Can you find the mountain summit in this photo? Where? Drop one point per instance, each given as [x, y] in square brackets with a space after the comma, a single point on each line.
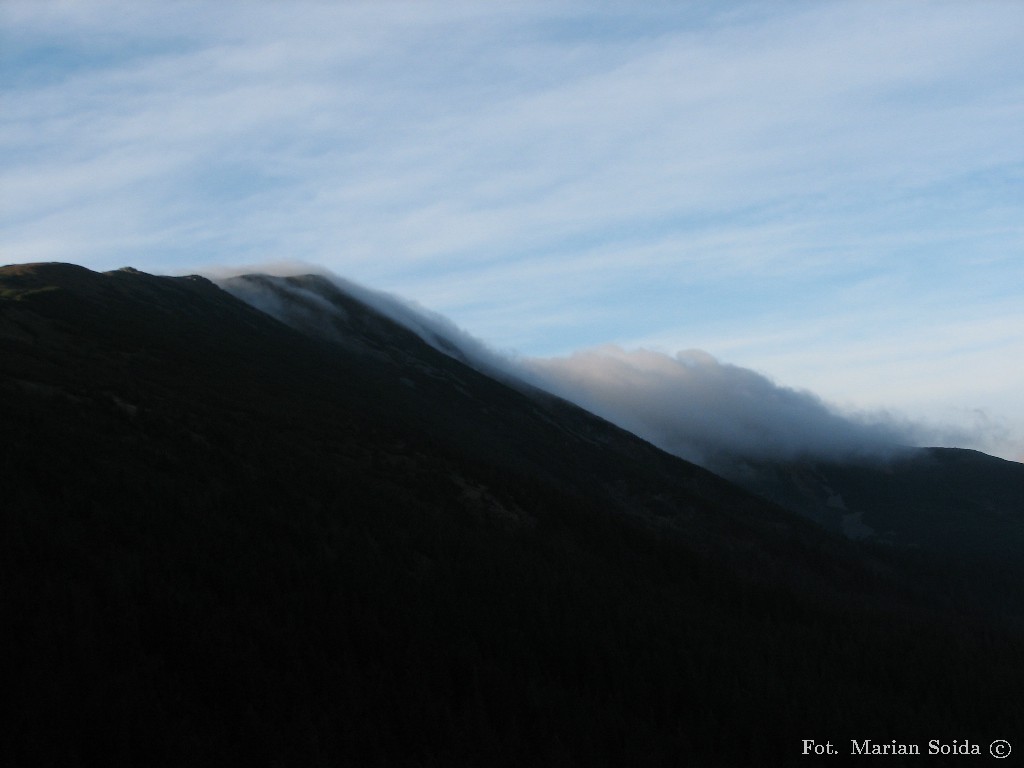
[305, 533]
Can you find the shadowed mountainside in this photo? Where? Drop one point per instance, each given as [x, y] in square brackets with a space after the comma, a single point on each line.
[229, 541]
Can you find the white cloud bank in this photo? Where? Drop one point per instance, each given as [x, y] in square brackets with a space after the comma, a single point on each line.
[694, 406]
[689, 404]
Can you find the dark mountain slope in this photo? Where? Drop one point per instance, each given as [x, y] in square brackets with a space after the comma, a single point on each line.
[228, 542]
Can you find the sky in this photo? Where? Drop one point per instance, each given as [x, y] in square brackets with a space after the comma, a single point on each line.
[829, 194]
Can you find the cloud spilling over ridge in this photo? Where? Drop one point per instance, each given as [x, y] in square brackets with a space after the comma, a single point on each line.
[709, 412]
[269, 290]
[689, 404]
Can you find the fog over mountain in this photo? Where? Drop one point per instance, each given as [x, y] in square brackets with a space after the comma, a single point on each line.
[308, 309]
[690, 404]
[710, 412]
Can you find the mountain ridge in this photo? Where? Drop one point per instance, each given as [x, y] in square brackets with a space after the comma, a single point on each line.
[225, 541]
[828, 492]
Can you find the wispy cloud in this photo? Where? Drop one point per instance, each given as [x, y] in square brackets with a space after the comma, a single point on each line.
[425, 137]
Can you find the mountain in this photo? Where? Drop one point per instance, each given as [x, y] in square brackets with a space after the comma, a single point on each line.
[237, 536]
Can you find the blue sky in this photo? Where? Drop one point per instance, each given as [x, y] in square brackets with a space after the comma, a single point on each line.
[831, 194]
